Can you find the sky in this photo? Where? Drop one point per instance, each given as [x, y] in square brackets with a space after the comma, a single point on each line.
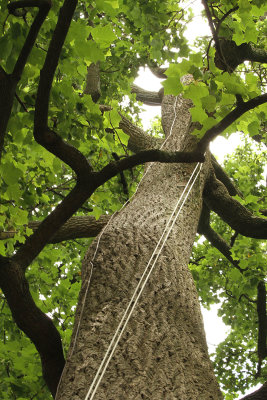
[216, 330]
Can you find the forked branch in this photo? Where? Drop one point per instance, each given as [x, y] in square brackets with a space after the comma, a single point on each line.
[233, 115]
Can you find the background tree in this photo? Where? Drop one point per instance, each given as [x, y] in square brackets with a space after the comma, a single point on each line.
[59, 151]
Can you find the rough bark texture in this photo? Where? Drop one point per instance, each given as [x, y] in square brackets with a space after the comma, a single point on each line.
[163, 352]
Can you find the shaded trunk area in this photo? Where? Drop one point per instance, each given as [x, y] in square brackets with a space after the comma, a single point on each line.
[163, 352]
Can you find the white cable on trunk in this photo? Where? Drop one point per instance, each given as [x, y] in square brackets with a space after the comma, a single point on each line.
[141, 284]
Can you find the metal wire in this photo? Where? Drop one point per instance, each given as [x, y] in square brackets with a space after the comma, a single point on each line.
[141, 284]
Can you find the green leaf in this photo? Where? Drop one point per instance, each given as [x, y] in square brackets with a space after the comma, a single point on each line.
[244, 5]
[97, 212]
[235, 275]
[14, 192]
[10, 173]
[5, 48]
[103, 35]
[251, 199]
[196, 92]
[198, 114]
[174, 70]
[123, 137]
[251, 34]
[91, 51]
[172, 85]
[209, 103]
[253, 128]
[232, 83]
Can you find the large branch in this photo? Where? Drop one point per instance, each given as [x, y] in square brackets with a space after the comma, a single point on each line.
[213, 237]
[48, 228]
[32, 321]
[139, 139]
[211, 23]
[44, 136]
[8, 82]
[159, 72]
[78, 227]
[224, 178]
[52, 142]
[44, 7]
[231, 211]
[148, 97]
[113, 168]
[262, 321]
[260, 394]
[240, 109]
[230, 55]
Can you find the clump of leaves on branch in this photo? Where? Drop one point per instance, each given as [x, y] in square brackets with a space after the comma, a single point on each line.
[72, 150]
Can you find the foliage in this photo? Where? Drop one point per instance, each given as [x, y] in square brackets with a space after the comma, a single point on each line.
[122, 35]
[218, 281]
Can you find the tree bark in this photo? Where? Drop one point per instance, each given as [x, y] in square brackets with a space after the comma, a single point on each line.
[162, 353]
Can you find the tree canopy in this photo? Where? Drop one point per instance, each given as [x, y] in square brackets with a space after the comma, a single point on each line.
[69, 116]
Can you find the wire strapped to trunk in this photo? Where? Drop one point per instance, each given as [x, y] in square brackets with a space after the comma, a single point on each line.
[144, 278]
[142, 283]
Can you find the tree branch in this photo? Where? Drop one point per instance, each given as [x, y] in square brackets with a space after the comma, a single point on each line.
[139, 139]
[224, 178]
[113, 168]
[262, 321]
[32, 321]
[159, 72]
[8, 82]
[230, 55]
[35, 243]
[224, 17]
[240, 109]
[44, 7]
[148, 97]
[42, 134]
[122, 180]
[231, 211]
[260, 394]
[213, 237]
[53, 143]
[76, 227]
[211, 25]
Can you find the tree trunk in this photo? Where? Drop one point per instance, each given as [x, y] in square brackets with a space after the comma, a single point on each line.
[162, 353]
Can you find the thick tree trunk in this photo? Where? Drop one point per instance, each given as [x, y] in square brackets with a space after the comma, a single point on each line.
[163, 352]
